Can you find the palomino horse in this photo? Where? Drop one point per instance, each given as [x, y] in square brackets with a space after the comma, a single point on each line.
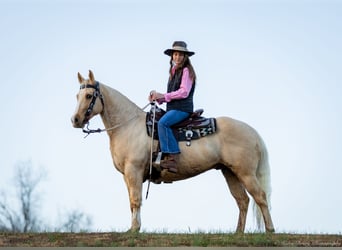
[235, 148]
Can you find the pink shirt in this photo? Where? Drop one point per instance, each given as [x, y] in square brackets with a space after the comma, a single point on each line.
[184, 88]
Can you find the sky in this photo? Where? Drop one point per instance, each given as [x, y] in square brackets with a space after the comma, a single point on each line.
[275, 65]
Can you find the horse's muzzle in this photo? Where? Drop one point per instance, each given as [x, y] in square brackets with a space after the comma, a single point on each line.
[77, 122]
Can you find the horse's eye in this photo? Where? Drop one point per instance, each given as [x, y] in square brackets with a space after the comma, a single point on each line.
[89, 96]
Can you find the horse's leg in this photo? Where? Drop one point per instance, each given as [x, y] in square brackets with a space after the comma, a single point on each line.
[134, 181]
[253, 187]
[239, 193]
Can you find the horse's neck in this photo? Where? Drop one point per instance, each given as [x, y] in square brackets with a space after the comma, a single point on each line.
[118, 109]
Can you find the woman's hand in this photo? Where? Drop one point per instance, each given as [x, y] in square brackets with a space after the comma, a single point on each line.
[155, 96]
[150, 96]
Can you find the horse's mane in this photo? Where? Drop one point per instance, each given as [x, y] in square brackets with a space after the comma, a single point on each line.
[118, 102]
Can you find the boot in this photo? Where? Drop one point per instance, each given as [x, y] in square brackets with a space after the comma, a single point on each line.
[170, 163]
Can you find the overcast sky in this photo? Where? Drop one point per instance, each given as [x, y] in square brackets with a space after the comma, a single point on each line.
[275, 65]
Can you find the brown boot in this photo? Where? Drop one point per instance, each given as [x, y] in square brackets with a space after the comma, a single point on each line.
[170, 163]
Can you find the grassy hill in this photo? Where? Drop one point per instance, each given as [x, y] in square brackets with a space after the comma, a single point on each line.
[166, 240]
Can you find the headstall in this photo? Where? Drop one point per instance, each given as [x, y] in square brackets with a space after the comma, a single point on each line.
[96, 94]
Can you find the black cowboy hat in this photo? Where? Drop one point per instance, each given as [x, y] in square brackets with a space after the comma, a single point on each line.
[178, 46]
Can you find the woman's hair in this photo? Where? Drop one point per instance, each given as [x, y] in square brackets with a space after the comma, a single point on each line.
[185, 64]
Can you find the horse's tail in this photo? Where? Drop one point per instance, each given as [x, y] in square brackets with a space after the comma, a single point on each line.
[264, 177]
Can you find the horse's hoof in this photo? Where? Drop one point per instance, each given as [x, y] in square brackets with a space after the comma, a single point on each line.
[133, 230]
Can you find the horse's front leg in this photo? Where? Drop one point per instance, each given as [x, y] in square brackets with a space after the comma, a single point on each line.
[134, 180]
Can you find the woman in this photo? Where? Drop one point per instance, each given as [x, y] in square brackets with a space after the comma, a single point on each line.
[179, 101]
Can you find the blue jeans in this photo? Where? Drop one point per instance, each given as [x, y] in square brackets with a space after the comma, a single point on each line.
[168, 142]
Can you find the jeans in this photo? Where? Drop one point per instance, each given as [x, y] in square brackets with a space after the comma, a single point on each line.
[168, 142]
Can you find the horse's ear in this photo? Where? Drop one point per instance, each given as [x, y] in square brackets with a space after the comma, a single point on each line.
[91, 77]
[80, 78]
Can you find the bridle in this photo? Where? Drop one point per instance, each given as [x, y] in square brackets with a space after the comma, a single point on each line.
[90, 108]
[96, 94]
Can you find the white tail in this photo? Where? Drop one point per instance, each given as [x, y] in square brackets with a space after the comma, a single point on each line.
[264, 178]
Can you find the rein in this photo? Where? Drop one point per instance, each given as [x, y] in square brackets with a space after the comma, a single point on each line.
[153, 107]
[99, 130]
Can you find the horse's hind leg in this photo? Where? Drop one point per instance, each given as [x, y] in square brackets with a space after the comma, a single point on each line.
[240, 195]
[254, 189]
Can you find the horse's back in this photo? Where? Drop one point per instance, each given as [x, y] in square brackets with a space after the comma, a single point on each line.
[232, 129]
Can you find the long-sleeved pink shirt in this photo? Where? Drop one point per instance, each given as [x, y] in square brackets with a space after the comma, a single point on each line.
[184, 88]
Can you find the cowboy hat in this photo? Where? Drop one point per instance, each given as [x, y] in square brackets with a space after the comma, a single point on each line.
[178, 46]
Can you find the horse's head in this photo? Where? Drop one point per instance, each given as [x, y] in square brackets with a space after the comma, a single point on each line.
[87, 104]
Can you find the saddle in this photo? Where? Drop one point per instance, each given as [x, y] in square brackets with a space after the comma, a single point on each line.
[192, 128]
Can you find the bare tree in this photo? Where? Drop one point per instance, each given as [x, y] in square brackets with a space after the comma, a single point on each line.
[75, 221]
[9, 219]
[21, 213]
[24, 218]
[27, 184]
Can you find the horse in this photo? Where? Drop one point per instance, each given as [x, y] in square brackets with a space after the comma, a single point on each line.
[236, 149]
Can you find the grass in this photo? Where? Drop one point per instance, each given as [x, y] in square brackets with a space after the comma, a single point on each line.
[114, 239]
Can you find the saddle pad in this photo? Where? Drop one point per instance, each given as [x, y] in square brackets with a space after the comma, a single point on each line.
[189, 129]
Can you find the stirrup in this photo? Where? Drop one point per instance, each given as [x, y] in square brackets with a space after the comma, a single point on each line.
[158, 159]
